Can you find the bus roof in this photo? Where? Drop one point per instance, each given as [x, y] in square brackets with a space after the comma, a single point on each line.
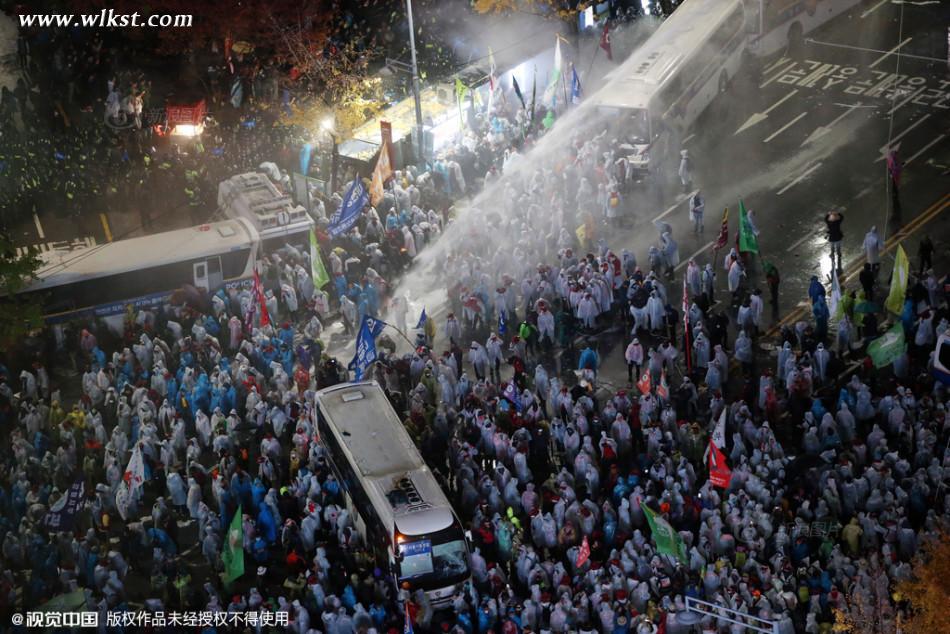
[397, 479]
[635, 82]
[133, 254]
[373, 434]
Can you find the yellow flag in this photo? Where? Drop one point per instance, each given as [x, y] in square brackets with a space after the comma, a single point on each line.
[382, 173]
[895, 298]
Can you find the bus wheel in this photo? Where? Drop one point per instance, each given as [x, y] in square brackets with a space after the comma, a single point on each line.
[723, 82]
[796, 40]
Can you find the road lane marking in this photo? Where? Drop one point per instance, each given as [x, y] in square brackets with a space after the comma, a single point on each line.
[855, 267]
[904, 103]
[759, 117]
[701, 249]
[105, 227]
[784, 127]
[873, 9]
[798, 180]
[873, 50]
[926, 147]
[777, 75]
[822, 130]
[678, 202]
[775, 65]
[890, 144]
[797, 243]
[687, 139]
[889, 53]
[39, 227]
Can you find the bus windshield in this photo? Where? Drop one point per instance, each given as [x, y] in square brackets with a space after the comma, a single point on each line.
[435, 560]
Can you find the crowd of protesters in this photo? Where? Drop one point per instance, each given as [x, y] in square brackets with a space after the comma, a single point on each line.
[836, 479]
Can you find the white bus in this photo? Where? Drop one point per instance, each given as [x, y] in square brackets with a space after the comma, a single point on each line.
[103, 280]
[397, 505]
[254, 197]
[663, 87]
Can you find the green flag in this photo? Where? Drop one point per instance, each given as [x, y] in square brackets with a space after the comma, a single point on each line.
[888, 346]
[461, 90]
[667, 540]
[748, 243]
[318, 272]
[233, 554]
[895, 298]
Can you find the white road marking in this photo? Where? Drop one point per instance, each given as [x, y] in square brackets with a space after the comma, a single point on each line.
[784, 127]
[701, 249]
[873, 9]
[759, 117]
[887, 146]
[678, 202]
[797, 244]
[777, 75]
[39, 227]
[904, 103]
[864, 192]
[799, 179]
[822, 130]
[889, 53]
[775, 65]
[874, 50]
[926, 147]
[687, 139]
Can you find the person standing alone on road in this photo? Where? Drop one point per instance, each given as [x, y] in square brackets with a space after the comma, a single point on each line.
[686, 170]
[696, 208]
[872, 249]
[833, 220]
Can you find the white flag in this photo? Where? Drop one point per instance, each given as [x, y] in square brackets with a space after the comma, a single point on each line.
[834, 304]
[134, 475]
[550, 93]
[719, 434]
[132, 481]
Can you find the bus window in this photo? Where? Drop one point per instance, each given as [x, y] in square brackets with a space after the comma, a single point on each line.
[434, 561]
[215, 276]
[201, 275]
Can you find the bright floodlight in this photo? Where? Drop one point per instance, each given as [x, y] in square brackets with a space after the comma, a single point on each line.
[327, 124]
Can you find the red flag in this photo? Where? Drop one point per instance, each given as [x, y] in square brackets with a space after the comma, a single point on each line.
[259, 294]
[645, 384]
[719, 473]
[583, 553]
[605, 41]
[724, 231]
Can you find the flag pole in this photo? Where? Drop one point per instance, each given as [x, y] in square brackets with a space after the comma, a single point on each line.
[592, 58]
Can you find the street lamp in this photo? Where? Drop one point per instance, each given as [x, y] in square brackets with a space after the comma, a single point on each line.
[327, 125]
[415, 83]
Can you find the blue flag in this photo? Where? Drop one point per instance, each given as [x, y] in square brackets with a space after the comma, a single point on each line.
[61, 514]
[575, 86]
[502, 324]
[305, 153]
[349, 212]
[422, 319]
[366, 345]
